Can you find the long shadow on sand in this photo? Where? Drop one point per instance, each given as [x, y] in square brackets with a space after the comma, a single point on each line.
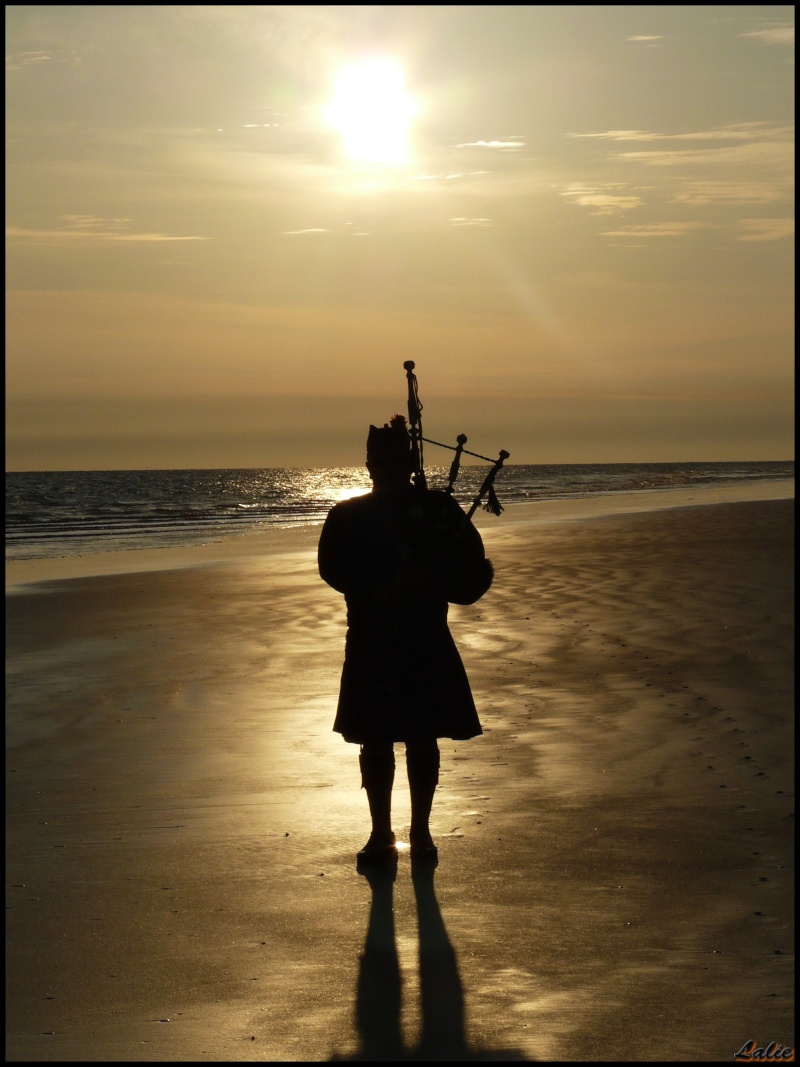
[378, 990]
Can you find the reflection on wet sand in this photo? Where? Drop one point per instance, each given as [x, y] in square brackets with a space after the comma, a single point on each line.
[378, 989]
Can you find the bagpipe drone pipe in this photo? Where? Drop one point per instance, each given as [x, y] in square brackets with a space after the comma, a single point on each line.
[418, 469]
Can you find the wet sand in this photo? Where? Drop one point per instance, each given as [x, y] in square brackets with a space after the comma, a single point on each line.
[616, 867]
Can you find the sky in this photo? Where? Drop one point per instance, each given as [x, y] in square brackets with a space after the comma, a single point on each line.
[228, 227]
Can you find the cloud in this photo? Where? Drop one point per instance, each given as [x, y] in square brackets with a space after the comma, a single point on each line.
[779, 35]
[756, 153]
[657, 229]
[700, 193]
[459, 177]
[350, 229]
[92, 228]
[94, 222]
[740, 131]
[602, 199]
[26, 59]
[21, 60]
[471, 222]
[765, 229]
[760, 144]
[646, 38]
[503, 145]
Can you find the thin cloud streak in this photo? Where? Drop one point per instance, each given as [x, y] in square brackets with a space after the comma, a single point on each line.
[753, 153]
[17, 233]
[604, 200]
[780, 35]
[703, 193]
[502, 145]
[765, 229]
[742, 131]
[658, 229]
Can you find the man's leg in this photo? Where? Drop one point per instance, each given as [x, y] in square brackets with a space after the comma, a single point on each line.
[422, 760]
[377, 778]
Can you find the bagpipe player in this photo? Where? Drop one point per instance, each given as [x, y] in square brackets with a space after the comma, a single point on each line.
[400, 555]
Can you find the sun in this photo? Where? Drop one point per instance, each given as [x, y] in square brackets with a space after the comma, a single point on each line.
[372, 112]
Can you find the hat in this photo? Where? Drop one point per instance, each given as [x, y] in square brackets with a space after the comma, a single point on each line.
[389, 442]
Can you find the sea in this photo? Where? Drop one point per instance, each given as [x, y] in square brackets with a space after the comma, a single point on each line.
[52, 514]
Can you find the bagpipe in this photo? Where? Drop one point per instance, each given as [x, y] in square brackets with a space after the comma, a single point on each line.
[418, 468]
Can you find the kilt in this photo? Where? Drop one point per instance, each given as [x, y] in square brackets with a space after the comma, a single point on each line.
[403, 679]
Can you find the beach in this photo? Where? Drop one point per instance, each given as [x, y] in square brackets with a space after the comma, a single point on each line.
[615, 879]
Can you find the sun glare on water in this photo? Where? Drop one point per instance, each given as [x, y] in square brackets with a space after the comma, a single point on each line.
[349, 492]
[372, 112]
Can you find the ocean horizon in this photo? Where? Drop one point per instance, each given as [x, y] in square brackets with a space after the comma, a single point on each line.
[51, 514]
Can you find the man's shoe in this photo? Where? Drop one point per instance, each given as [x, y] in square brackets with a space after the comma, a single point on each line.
[423, 847]
[427, 853]
[377, 851]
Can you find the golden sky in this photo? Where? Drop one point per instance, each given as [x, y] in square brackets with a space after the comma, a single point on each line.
[228, 227]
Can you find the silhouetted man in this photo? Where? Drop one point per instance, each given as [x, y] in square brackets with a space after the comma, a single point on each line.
[400, 554]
